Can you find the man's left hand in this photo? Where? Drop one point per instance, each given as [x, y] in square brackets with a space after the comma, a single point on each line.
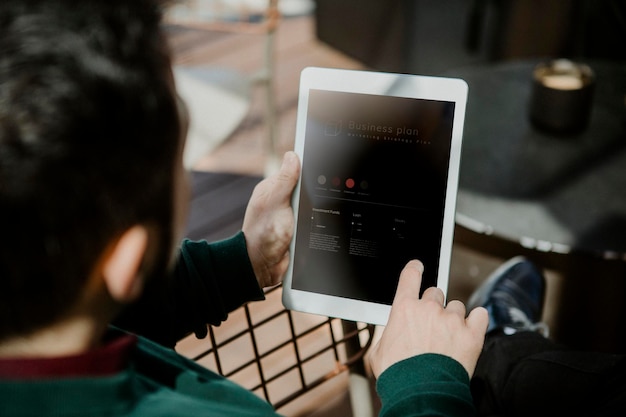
[269, 222]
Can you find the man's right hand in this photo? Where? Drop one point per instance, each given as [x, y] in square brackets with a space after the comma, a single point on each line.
[423, 325]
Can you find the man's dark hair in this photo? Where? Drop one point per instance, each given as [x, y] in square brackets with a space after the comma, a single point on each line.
[89, 134]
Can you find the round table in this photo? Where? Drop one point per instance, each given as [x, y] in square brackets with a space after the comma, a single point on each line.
[547, 192]
[560, 200]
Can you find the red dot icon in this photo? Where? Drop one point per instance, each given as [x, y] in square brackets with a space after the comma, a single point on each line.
[350, 183]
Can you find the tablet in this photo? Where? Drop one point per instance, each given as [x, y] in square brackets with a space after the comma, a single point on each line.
[380, 156]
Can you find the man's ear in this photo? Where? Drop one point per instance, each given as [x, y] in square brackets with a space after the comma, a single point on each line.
[121, 269]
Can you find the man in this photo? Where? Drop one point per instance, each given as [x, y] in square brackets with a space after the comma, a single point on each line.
[92, 204]
[92, 201]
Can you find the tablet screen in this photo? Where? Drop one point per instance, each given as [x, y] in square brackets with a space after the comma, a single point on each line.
[372, 193]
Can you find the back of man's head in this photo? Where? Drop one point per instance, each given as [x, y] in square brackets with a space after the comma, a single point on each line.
[88, 137]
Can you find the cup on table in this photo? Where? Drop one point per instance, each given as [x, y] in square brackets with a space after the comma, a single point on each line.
[561, 96]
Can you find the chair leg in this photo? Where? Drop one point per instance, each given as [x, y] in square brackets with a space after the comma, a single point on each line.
[359, 383]
[273, 163]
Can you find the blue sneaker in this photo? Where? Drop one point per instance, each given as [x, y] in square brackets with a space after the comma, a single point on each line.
[513, 295]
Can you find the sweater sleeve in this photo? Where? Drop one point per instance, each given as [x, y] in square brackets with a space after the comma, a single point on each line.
[208, 282]
[425, 385]
[214, 280]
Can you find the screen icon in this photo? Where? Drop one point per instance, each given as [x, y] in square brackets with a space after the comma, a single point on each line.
[333, 128]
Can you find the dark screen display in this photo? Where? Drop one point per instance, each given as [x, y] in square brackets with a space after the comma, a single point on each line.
[372, 193]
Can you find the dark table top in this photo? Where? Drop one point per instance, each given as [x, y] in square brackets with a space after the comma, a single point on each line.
[551, 193]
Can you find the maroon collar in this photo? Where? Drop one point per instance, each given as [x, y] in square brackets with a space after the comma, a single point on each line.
[108, 359]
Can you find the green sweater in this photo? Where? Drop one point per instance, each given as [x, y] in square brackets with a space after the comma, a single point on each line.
[159, 382]
[156, 382]
[425, 385]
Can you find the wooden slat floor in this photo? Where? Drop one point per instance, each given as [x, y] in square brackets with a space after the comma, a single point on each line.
[245, 151]
[224, 177]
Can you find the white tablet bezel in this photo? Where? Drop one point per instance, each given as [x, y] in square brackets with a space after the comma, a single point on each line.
[377, 83]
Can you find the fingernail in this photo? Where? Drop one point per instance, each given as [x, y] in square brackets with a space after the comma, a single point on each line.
[286, 158]
[415, 263]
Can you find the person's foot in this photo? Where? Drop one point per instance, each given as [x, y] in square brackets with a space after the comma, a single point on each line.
[513, 295]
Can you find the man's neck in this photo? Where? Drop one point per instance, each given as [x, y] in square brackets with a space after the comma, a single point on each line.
[71, 336]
